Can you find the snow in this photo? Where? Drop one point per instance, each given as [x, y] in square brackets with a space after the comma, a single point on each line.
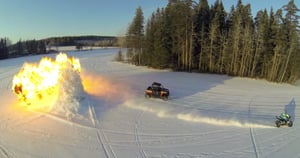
[207, 115]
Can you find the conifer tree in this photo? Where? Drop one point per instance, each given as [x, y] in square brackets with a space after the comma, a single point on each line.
[291, 23]
[216, 30]
[201, 26]
[260, 42]
[186, 37]
[3, 48]
[135, 35]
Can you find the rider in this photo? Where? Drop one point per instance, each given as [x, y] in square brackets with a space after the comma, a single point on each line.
[284, 116]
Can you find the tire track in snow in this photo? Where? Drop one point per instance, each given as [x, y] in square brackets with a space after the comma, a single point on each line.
[100, 134]
[167, 139]
[4, 152]
[181, 140]
[100, 139]
[137, 135]
[62, 120]
[26, 121]
[252, 134]
[270, 139]
[6, 75]
[287, 145]
[158, 135]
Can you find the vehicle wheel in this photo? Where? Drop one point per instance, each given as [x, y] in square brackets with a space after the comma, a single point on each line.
[277, 123]
[290, 123]
[165, 98]
[147, 96]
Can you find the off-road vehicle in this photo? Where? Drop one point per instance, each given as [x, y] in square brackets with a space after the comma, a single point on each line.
[283, 119]
[156, 90]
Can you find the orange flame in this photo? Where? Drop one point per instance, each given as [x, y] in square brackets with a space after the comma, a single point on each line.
[97, 86]
[105, 88]
[38, 81]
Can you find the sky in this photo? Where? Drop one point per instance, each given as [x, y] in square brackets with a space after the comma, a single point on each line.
[39, 19]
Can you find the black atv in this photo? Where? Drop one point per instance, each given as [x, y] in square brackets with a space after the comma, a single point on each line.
[280, 121]
[156, 90]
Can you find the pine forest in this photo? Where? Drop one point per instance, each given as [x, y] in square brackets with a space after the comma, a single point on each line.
[198, 37]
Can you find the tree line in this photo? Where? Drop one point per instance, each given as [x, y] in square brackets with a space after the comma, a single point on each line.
[21, 48]
[196, 37]
[82, 40]
[43, 46]
[4, 42]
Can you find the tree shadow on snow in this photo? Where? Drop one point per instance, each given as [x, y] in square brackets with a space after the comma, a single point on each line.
[290, 109]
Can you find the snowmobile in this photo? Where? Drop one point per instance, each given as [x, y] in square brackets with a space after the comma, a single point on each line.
[284, 119]
[156, 90]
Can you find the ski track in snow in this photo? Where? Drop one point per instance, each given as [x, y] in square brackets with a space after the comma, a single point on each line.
[4, 152]
[252, 134]
[137, 135]
[61, 120]
[6, 77]
[109, 152]
[287, 145]
[181, 139]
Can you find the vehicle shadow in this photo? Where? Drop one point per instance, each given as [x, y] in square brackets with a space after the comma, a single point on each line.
[290, 109]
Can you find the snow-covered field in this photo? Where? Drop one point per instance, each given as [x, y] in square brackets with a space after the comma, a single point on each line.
[207, 115]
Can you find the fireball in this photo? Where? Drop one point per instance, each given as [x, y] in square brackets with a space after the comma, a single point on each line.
[40, 81]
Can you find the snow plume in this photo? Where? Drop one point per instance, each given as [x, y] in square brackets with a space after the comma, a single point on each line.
[70, 95]
[172, 112]
[218, 122]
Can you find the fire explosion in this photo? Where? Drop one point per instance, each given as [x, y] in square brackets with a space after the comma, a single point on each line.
[40, 81]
